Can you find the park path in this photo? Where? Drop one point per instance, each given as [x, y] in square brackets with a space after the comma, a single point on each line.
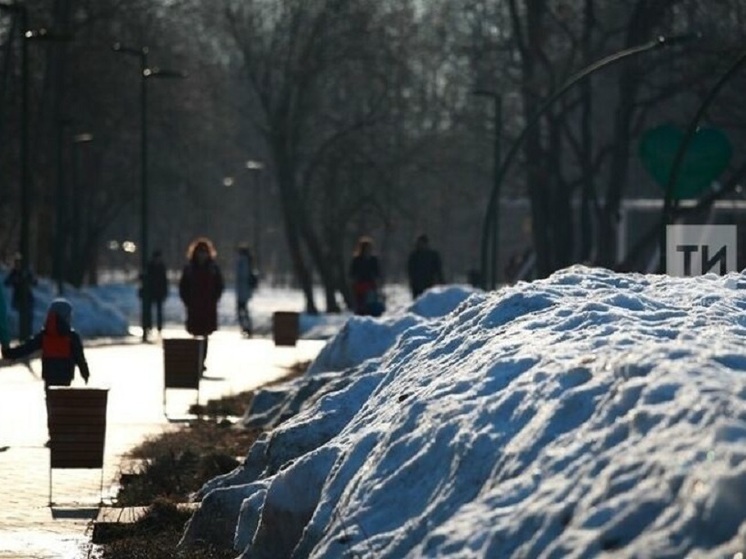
[133, 373]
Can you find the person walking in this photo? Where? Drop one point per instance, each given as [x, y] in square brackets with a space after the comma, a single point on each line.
[158, 286]
[424, 267]
[21, 280]
[61, 349]
[4, 331]
[246, 281]
[365, 275]
[200, 288]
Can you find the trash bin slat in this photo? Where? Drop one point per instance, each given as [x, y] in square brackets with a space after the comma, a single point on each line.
[182, 362]
[285, 328]
[77, 427]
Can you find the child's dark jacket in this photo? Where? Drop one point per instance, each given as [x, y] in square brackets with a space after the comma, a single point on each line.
[61, 350]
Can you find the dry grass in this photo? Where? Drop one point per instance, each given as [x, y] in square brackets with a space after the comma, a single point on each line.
[154, 536]
[178, 463]
[174, 465]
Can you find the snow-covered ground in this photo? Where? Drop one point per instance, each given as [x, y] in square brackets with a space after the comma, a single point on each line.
[93, 316]
[591, 414]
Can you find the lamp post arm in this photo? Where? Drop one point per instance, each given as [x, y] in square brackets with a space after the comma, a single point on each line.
[156, 72]
[513, 150]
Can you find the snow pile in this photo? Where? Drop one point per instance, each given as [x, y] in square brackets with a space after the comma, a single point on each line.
[361, 338]
[588, 414]
[93, 316]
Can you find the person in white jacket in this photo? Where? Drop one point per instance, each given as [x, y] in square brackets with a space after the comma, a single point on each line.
[245, 284]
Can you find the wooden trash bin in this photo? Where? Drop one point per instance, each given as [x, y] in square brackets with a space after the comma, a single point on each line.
[285, 328]
[77, 429]
[182, 364]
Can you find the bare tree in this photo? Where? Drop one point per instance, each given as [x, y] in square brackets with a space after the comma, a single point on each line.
[320, 77]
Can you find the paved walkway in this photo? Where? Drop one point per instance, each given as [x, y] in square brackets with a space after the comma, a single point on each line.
[29, 527]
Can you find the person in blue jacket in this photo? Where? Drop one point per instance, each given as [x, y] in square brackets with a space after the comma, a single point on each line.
[60, 346]
[246, 283]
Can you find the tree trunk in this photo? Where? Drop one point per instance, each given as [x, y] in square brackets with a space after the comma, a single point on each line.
[645, 16]
[536, 174]
[608, 217]
[588, 194]
[561, 215]
[323, 266]
[292, 217]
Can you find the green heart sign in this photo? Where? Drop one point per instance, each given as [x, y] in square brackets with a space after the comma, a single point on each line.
[706, 157]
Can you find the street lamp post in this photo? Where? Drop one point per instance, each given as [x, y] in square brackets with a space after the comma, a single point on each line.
[489, 220]
[145, 73]
[20, 10]
[25, 310]
[77, 139]
[59, 210]
[255, 167]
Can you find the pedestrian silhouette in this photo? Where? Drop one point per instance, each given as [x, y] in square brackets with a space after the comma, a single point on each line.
[158, 286]
[424, 267]
[200, 288]
[246, 282]
[365, 275]
[21, 280]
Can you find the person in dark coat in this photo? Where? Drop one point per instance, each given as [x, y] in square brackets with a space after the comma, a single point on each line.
[424, 267]
[60, 345]
[365, 275]
[158, 286]
[200, 288]
[21, 280]
[246, 282]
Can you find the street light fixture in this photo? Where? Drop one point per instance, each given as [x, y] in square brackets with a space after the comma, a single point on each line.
[490, 222]
[83, 138]
[77, 140]
[25, 311]
[146, 73]
[61, 225]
